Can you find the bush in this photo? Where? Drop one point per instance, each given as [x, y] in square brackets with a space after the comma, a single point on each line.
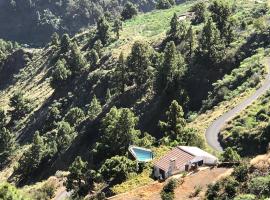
[117, 168]
[230, 155]
[245, 197]
[241, 172]
[259, 186]
[8, 192]
[167, 192]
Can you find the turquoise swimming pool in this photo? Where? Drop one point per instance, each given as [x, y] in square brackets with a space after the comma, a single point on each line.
[141, 154]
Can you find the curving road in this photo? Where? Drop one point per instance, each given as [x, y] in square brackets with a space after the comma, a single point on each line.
[214, 129]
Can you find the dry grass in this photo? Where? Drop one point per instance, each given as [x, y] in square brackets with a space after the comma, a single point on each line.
[261, 162]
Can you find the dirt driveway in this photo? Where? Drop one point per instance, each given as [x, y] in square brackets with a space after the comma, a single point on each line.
[201, 178]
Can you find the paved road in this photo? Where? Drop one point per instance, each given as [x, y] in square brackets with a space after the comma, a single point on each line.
[214, 129]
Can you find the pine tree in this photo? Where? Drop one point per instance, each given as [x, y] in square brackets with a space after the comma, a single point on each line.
[80, 180]
[3, 118]
[174, 25]
[75, 116]
[175, 122]
[98, 47]
[94, 109]
[77, 61]
[118, 132]
[21, 106]
[108, 95]
[65, 135]
[121, 73]
[178, 30]
[172, 68]
[221, 12]
[60, 74]
[211, 46]
[103, 30]
[129, 11]
[93, 58]
[139, 62]
[117, 27]
[200, 12]
[191, 42]
[65, 43]
[7, 144]
[55, 39]
[32, 158]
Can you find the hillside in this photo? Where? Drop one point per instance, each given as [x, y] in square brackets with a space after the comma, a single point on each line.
[38, 20]
[156, 80]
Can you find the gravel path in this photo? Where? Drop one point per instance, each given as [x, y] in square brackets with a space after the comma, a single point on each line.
[214, 129]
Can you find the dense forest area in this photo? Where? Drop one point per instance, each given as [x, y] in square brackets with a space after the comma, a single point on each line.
[78, 103]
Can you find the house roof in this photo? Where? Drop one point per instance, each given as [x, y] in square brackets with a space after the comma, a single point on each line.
[180, 156]
[197, 151]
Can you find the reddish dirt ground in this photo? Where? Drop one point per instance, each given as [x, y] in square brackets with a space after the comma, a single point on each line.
[183, 191]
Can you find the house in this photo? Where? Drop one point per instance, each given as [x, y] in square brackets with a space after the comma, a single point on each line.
[180, 159]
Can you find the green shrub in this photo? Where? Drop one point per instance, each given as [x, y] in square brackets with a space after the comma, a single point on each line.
[260, 186]
[167, 192]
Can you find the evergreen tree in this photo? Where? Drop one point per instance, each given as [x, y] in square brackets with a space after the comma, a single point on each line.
[117, 169]
[103, 30]
[7, 144]
[129, 11]
[108, 96]
[3, 118]
[118, 132]
[211, 46]
[174, 24]
[98, 47]
[75, 116]
[77, 61]
[191, 42]
[65, 43]
[93, 57]
[163, 4]
[94, 109]
[21, 106]
[172, 69]
[65, 135]
[178, 30]
[32, 158]
[221, 12]
[175, 122]
[60, 74]
[200, 12]
[117, 27]
[139, 62]
[80, 179]
[121, 73]
[55, 39]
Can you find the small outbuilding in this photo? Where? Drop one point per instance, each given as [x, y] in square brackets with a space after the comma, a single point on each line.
[180, 159]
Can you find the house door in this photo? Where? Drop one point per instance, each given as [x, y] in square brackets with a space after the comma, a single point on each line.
[186, 168]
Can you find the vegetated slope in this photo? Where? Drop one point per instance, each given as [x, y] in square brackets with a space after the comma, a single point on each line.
[75, 98]
[33, 22]
[248, 132]
[214, 129]
[248, 181]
